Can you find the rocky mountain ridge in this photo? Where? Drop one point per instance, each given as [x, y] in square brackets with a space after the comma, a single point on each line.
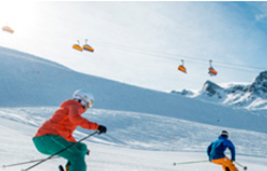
[250, 96]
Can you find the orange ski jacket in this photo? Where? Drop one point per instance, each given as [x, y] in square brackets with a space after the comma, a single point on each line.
[65, 120]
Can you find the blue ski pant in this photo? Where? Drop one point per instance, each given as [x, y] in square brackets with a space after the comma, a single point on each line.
[51, 144]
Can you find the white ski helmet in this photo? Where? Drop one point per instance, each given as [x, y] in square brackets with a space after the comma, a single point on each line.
[224, 134]
[86, 98]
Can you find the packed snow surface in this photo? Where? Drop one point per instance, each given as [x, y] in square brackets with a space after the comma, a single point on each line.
[134, 142]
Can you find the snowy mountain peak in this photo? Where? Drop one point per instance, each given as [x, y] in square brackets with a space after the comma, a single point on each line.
[210, 88]
[250, 96]
[259, 86]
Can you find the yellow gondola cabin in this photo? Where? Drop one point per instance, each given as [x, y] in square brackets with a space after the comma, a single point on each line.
[212, 71]
[77, 46]
[181, 67]
[8, 29]
[88, 47]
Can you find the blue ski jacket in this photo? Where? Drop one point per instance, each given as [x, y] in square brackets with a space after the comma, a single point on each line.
[216, 149]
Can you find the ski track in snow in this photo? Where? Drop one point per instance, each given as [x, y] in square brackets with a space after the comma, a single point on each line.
[134, 142]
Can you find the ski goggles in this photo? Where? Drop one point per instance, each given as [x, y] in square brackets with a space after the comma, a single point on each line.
[89, 105]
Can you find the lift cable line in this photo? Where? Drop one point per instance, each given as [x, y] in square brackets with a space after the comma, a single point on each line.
[183, 57]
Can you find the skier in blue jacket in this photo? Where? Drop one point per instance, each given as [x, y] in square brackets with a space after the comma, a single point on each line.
[216, 150]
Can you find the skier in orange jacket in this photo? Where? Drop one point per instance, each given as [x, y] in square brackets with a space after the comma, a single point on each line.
[56, 133]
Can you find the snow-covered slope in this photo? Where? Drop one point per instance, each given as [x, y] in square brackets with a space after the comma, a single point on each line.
[144, 131]
[249, 96]
[147, 130]
[27, 80]
[134, 142]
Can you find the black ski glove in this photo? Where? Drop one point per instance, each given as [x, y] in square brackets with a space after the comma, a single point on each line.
[88, 152]
[101, 129]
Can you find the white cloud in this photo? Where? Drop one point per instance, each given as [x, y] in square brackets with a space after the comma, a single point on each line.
[261, 16]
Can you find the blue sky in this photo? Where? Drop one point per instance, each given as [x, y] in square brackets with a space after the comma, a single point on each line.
[142, 43]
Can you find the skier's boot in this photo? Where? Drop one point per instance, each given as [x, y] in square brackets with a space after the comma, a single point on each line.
[61, 168]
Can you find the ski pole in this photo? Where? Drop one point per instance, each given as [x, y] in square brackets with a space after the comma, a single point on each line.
[191, 162]
[59, 152]
[31, 161]
[244, 167]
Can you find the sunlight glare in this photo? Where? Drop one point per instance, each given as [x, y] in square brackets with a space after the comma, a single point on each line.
[17, 14]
